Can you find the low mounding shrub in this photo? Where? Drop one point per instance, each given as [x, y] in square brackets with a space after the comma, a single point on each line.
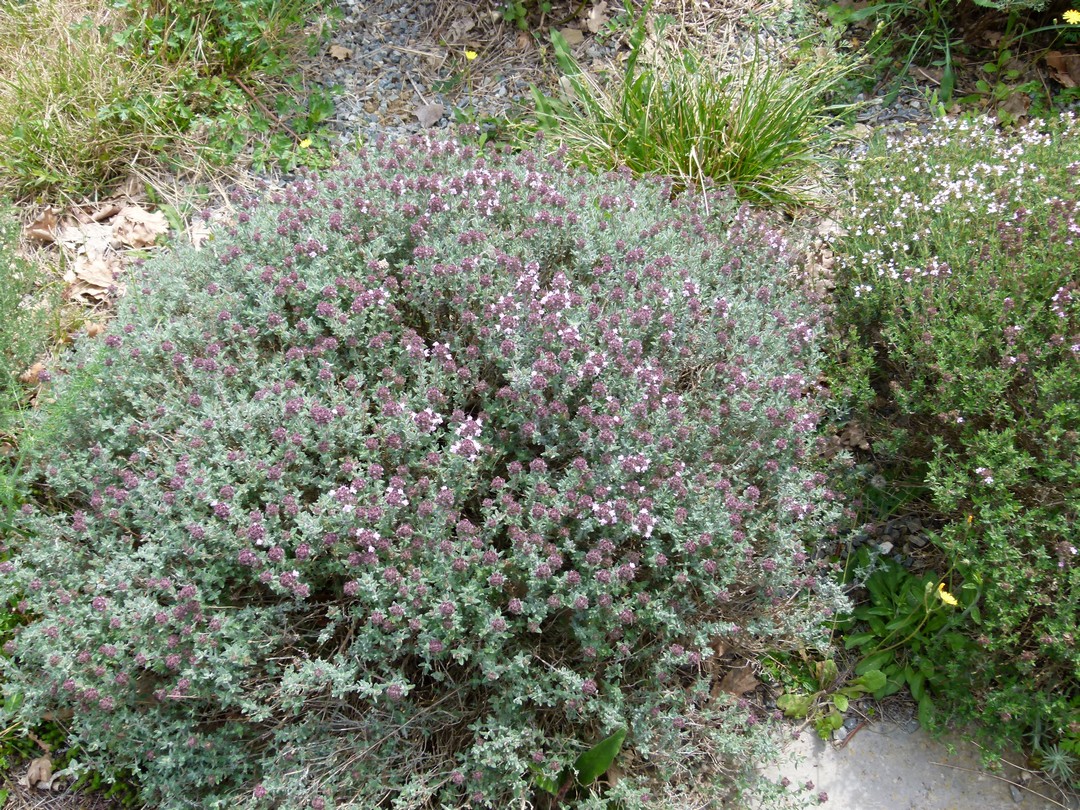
[959, 293]
[429, 475]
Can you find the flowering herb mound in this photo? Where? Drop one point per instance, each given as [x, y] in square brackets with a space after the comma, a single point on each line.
[960, 302]
[436, 471]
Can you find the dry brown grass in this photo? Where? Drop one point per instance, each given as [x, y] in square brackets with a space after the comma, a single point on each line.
[60, 83]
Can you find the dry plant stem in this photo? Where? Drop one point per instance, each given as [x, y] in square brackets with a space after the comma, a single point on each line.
[266, 110]
[1007, 762]
[1002, 779]
[99, 215]
[41, 743]
[1064, 793]
[854, 731]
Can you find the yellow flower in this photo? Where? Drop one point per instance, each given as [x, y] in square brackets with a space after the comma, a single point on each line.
[1072, 17]
[470, 55]
[945, 596]
[304, 144]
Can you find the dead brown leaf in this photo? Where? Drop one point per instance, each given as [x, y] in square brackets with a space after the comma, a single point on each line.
[39, 774]
[198, 234]
[739, 680]
[1064, 68]
[93, 329]
[137, 227]
[460, 27]
[573, 36]
[96, 272]
[429, 114]
[854, 436]
[1016, 105]
[75, 236]
[340, 52]
[43, 228]
[597, 17]
[32, 376]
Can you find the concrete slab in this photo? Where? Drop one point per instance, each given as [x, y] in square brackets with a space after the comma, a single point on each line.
[890, 766]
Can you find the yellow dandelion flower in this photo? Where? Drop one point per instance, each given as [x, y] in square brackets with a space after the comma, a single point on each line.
[470, 55]
[1072, 16]
[304, 144]
[945, 596]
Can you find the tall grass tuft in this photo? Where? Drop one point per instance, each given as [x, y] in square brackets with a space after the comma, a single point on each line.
[750, 122]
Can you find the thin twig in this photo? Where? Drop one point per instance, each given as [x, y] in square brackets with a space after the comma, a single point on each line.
[265, 110]
[1003, 779]
[854, 731]
[1013, 764]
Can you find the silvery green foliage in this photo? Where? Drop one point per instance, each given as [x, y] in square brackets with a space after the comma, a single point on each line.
[429, 471]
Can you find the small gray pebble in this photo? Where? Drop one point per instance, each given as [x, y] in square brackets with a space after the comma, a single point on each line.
[1017, 795]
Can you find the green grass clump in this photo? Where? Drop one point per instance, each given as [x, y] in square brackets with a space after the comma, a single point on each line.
[960, 307]
[24, 299]
[92, 90]
[62, 84]
[755, 125]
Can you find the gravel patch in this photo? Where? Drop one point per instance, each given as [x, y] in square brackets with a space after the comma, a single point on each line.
[402, 66]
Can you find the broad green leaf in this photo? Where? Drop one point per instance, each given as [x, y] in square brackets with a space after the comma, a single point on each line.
[871, 680]
[901, 622]
[892, 686]
[794, 705]
[926, 711]
[829, 723]
[840, 702]
[858, 639]
[875, 661]
[917, 684]
[545, 783]
[595, 762]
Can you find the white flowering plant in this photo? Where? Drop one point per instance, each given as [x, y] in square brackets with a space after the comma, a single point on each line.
[957, 347]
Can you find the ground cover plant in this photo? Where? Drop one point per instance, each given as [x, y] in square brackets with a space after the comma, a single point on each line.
[424, 480]
[1008, 57]
[959, 318]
